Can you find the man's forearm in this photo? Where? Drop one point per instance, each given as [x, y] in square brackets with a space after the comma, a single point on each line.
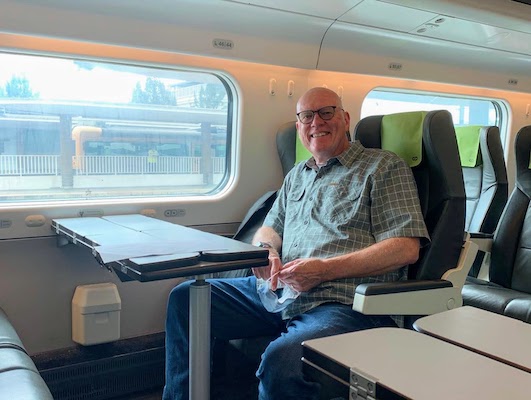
[266, 234]
[377, 259]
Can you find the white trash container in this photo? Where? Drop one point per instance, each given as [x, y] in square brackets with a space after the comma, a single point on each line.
[96, 314]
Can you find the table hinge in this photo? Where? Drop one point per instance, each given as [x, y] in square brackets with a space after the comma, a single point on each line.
[362, 386]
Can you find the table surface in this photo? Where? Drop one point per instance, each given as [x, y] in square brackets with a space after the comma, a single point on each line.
[505, 339]
[147, 249]
[421, 367]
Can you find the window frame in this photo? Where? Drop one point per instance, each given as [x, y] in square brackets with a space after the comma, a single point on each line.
[158, 61]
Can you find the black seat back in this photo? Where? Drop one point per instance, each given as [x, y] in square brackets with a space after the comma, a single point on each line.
[485, 176]
[510, 264]
[440, 185]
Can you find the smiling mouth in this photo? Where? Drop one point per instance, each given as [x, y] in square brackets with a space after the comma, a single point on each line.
[319, 134]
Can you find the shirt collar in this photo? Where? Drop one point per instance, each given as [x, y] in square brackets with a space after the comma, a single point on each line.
[346, 158]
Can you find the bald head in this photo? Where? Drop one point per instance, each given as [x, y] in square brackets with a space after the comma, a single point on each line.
[325, 124]
[316, 93]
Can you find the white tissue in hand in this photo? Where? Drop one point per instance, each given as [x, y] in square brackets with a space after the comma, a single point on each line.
[275, 301]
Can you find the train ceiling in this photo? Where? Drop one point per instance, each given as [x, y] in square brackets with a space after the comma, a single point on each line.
[490, 35]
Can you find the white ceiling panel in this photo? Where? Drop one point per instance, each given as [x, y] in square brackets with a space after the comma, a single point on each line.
[187, 26]
[476, 34]
[330, 9]
[357, 47]
[493, 35]
[385, 15]
[501, 13]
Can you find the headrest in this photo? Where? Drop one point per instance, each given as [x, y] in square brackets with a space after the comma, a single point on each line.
[468, 144]
[402, 134]
[522, 149]
[301, 152]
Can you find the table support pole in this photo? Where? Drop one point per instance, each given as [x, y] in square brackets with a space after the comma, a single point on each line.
[199, 340]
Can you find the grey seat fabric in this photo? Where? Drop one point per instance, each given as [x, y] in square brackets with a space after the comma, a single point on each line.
[486, 183]
[286, 145]
[508, 291]
[8, 335]
[19, 378]
[485, 178]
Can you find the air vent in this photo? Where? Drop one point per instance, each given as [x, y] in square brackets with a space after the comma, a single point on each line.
[104, 371]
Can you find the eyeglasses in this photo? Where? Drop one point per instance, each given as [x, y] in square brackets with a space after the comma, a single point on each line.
[326, 113]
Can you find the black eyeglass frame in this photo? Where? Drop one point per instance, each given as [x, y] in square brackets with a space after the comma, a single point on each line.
[317, 112]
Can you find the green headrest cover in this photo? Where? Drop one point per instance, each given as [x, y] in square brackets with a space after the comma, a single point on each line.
[301, 152]
[468, 144]
[402, 134]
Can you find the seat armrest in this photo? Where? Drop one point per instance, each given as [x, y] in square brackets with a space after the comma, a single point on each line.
[373, 289]
[483, 241]
[480, 235]
[417, 297]
[407, 297]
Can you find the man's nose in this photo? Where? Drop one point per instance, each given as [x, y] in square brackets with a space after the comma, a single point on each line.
[317, 119]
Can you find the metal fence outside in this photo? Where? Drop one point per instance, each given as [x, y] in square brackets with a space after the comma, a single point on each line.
[30, 165]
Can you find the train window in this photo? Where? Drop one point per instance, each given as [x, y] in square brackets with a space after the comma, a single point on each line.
[82, 130]
[465, 111]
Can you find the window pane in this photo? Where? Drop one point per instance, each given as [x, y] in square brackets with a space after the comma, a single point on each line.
[465, 111]
[79, 130]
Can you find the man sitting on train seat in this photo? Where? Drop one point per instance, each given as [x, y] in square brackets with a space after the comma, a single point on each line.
[346, 216]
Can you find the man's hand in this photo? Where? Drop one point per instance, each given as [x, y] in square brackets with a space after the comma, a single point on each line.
[304, 274]
[271, 271]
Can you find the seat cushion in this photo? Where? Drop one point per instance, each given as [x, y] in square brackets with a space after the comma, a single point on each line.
[491, 297]
[520, 309]
[8, 336]
[23, 384]
[11, 359]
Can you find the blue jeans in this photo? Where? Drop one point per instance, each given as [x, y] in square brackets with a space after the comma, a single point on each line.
[237, 312]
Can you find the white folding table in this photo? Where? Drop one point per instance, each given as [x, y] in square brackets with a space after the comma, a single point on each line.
[145, 249]
[394, 363]
[504, 339]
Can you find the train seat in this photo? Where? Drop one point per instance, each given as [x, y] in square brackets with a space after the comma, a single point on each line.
[19, 377]
[508, 290]
[289, 147]
[436, 279]
[486, 188]
[485, 176]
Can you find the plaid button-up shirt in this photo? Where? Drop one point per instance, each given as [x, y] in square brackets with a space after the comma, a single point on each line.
[359, 198]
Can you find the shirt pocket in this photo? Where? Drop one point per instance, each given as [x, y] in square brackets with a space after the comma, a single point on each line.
[295, 205]
[296, 194]
[342, 204]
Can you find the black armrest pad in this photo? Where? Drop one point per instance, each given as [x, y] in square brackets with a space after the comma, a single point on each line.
[480, 235]
[373, 289]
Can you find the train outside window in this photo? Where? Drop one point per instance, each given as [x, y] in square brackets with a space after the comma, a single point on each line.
[81, 130]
